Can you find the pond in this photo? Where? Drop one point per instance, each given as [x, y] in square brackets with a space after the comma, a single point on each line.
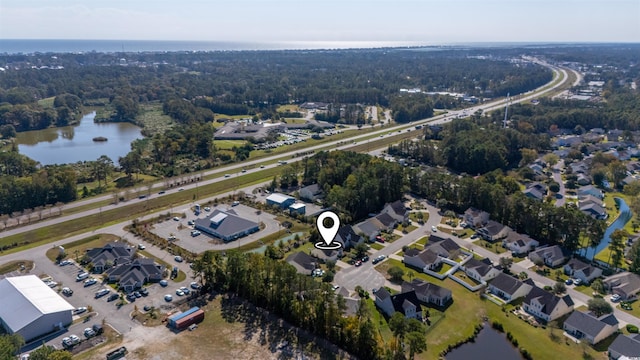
[70, 144]
[283, 240]
[619, 223]
[489, 344]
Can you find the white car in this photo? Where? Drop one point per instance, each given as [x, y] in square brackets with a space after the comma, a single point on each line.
[90, 282]
[141, 247]
[207, 209]
[179, 292]
[434, 229]
[178, 258]
[80, 310]
[615, 297]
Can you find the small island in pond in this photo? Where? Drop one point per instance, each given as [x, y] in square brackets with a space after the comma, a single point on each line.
[100, 138]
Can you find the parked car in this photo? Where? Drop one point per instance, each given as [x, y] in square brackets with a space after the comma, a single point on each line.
[358, 263]
[141, 247]
[434, 229]
[568, 282]
[194, 285]
[195, 233]
[207, 209]
[179, 292]
[335, 287]
[74, 339]
[144, 292]
[102, 292]
[178, 258]
[185, 290]
[65, 262]
[66, 291]
[380, 239]
[137, 294]
[89, 333]
[577, 281]
[615, 297]
[113, 297]
[474, 236]
[163, 283]
[191, 222]
[80, 310]
[168, 298]
[175, 218]
[365, 258]
[82, 276]
[90, 282]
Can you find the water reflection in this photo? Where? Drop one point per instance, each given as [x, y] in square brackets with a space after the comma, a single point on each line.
[70, 144]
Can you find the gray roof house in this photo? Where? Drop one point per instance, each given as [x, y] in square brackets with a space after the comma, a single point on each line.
[310, 193]
[625, 347]
[508, 288]
[110, 255]
[406, 303]
[480, 270]
[590, 190]
[494, 231]
[428, 293]
[594, 210]
[396, 210]
[581, 270]
[625, 284]
[589, 327]
[303, 262]
[476, 218]
[348, 237]
[545, 305]
[444, 247]
[534, 193]
[423, 260]
[551, 256]
[519, 244]
[226, 225]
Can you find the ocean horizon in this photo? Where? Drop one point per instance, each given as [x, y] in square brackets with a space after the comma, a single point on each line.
[30, 46]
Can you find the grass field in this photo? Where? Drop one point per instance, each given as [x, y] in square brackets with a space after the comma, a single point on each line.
[15, 265]
[153, 119]
[228, 144]
[47, 102]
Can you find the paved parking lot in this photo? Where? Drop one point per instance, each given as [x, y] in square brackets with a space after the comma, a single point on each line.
[118, 318]
[204, 241]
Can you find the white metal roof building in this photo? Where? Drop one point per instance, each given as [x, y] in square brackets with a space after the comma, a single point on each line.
[31, 308]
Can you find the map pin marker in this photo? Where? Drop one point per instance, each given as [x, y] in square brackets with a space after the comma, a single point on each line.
[328, 233]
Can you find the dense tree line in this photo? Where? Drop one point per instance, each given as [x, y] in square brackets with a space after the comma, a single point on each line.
[277, 287]
[355, 184]
[501, 197]
[248, 82]
[473, 149]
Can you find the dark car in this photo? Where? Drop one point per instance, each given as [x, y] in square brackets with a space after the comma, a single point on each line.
[113, 297]
[365, 258]
[144, 292]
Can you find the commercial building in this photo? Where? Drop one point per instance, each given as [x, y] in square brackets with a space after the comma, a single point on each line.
[226, 225]
[31, 308]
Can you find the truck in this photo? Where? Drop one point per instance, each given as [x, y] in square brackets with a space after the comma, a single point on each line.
[182, 320]
[117, 353]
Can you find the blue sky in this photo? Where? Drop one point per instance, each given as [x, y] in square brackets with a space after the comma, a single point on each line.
[427, 21]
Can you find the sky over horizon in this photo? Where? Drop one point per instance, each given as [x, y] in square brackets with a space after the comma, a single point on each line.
[426, 21]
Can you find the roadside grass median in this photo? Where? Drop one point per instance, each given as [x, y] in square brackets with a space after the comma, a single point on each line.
[76, 249]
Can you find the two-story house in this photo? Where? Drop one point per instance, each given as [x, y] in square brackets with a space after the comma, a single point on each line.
[581, 270]
[545, 305]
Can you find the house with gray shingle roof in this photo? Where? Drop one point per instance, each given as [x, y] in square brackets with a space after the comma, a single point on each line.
[480, 270]
[423, 260]
[476, 218]
[581, 270]
[625, 347]
[348, 237]
[428, 293]
[396, 210]
[625, 284]
[310, 193]
[135, 274]
[551, 256]
[508, 288]
[519, 244]
[494, 231]
[587, 326]
[304, 263]
[545, 305]
[406, 303]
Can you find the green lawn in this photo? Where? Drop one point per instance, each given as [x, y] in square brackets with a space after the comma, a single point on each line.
[15, 265]
[493, 247]
[228, 144]
[413, 216]
[377, 246]
[47, 102]
[468, 309]
[423, 240]
[635, 308]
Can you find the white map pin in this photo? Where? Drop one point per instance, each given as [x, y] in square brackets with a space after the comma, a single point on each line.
[328, 233]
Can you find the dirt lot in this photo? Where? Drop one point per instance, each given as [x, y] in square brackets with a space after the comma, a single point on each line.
[231, 330]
